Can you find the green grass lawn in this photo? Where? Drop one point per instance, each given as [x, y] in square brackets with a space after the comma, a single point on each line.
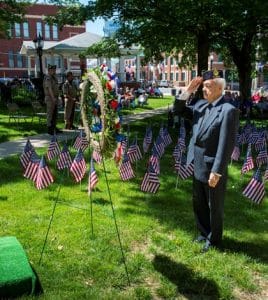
[12, 130]
[156, 233]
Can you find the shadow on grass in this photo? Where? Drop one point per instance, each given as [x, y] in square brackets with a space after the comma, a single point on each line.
[253, 250]
[189, 283]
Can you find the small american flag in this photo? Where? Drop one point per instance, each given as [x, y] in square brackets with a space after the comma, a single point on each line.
[81, 142]
[150, 182]
[96, 155]
[236, 153]
[185, 171]
[92, 178]
[262, 157]
[265, 176]
[154, 161]
[147, 139]
[43, 177]
[158, 147]
[182, 144]
[26, 154]
[255, 189]
[78, 167]
[134, 152]
[248, 163]
[64, 160]
[125, 170]
[32, 167]
[166, 137]
[53, 148]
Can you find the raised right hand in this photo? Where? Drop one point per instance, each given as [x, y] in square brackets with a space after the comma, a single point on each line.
[194, 84]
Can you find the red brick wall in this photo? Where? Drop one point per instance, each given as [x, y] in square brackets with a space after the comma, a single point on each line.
[36, 12]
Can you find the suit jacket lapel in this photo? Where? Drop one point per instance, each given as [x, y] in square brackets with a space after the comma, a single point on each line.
[208, 121]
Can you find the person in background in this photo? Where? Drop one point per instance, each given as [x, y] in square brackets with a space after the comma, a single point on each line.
[51, 91]
[70, 93]
[215, 125]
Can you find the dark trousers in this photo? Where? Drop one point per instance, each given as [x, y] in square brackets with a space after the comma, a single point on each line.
[208, 205]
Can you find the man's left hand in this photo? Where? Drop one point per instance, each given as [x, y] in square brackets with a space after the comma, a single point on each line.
[213, 179]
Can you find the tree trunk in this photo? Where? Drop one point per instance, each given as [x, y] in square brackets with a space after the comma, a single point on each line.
[202, 61]
[202, 52]
[244, 73]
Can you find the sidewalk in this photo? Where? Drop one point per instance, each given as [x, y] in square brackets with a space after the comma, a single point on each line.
[42, 140]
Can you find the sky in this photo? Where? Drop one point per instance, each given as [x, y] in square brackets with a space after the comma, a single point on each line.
[95, 27]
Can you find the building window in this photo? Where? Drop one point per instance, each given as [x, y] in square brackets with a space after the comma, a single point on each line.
[9, 31]
[171, 76]
[177, 76]
[47, 31]
[39, 28]
[57, 61]
[183, 77]
[26, 29]
[165, 76]
[193, 74]
[17, 30]
[219, 57]
[19, 60]
[10, 59]
[171, 60]
[55, 32]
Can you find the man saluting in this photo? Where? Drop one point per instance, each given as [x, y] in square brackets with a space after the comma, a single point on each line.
[215, 125]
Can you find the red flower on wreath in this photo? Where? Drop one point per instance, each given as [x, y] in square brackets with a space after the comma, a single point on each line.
[113, 104]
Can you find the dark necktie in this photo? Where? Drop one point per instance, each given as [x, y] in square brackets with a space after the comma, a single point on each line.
[206, 114]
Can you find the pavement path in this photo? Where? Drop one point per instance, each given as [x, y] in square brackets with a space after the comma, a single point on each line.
[42, 140]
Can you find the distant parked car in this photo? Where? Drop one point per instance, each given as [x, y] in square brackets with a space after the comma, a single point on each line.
[164, 83]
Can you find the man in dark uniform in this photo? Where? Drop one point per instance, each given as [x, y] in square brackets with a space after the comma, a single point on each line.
[215, 125]
[70, 96]
[51, 91]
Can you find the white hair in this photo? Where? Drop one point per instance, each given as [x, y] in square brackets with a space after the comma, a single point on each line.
[221, 82]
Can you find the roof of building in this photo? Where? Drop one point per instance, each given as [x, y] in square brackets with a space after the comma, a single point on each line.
[75, 43]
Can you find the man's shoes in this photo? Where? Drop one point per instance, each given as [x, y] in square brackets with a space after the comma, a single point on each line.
[208, 245]
[200, 239]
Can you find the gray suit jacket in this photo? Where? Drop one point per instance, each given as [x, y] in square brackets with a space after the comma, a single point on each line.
[213, 137]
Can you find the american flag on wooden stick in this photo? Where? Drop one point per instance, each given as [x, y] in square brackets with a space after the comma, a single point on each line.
[78, 167]
[262, 157]
[125, 169]
[150, 182]
[255, 189]
[96, 155]
[81, 142]
[147, 139]
[134, 152]
[236, 153]
[53, 148]
[32, 167]
[154, 161]
[43, 177]
[265, 176]
[166, 137]
[183, 170]
[248, 163]
[26, 154]
[65, 159]
[92, 178]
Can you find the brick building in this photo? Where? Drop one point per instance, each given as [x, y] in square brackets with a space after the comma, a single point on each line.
[14, 64]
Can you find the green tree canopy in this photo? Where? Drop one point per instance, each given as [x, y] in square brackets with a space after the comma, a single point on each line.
[11, 11]
[193, 28]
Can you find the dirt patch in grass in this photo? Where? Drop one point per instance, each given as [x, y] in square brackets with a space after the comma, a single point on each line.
[262, 294]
